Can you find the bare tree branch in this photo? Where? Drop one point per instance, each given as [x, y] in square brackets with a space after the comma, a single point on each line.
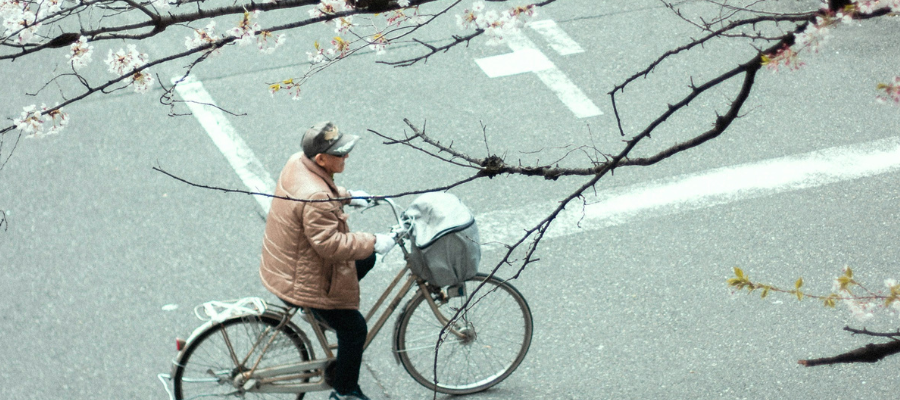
[870, 353]
[270, 195]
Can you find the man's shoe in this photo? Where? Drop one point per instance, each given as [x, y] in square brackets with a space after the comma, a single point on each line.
[353, 395]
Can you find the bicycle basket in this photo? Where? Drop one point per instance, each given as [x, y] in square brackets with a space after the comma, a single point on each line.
[445, 246]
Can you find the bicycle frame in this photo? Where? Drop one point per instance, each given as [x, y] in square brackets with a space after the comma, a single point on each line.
[282, 378]
[265, 380]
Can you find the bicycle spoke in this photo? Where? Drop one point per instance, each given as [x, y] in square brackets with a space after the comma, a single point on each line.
[214, 361]
[488, 341]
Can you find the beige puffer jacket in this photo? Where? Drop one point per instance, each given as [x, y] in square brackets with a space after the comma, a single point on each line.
[308, 252]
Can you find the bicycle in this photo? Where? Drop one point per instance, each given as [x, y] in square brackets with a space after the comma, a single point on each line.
[252, 349]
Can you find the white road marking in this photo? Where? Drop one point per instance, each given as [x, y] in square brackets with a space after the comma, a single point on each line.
[620, 205]
[697, 191]
[235, 150]
[570, 94]
[558, 39]
[526, 57]
[518, 62]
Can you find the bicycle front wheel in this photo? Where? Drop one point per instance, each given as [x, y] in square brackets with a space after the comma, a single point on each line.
[212, 361]
[488, 341]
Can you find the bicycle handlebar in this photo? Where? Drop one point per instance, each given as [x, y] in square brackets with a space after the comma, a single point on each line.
[401, 230]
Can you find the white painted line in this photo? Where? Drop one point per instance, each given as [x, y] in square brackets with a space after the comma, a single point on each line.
[235, 150]
[697, 191]
[568, 93]
[526, 57]
[558, 39]
[517, 62]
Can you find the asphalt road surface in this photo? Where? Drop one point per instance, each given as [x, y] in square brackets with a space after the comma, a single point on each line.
[104, 259]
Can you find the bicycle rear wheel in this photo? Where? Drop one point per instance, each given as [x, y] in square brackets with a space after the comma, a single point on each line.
[211, 362]
[495, 334]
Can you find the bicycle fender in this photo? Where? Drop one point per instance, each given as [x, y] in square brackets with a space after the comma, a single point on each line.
[396, 342]
[212, 324]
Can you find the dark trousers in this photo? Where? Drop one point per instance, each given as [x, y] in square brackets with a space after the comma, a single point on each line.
[351, 329]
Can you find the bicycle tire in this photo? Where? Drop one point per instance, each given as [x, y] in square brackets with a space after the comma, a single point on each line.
[206, 368]
[498, 327]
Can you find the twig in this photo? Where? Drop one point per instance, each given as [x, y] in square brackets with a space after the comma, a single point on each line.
[270, 195]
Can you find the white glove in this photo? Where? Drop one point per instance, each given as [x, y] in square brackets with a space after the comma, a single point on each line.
[358, 203]
[384, 243]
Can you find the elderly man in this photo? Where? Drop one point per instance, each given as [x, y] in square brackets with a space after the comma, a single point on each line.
[309, 256]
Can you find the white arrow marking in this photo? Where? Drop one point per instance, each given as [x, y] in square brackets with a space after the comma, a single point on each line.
[235, 150]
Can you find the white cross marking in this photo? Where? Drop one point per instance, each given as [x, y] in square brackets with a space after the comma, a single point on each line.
[558, 39]
[527, 58]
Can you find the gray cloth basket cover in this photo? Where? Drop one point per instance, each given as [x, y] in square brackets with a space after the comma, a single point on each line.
[445, 249]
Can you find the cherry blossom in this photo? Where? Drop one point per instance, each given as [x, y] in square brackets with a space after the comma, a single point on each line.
[341, 46]
[529, 11]
[865, 307]
[58, 119]
[21, 23]
[33, 121]
[494, 23]
[398, 17]
[814, 35]
[844, 17]
[49, 7]
[891, 91]
[869, 6]
[246, 30]
[126, 63]
[470, 18]
[330, 7]
[495, 26]
[266, 45]
[289, 85]
[80, 53]
[203, 37]
[142, 81]
[416, 18]
[893, 298]
[863, 303]
[317, 57]
[378, 42]
[861, 310]
[343, 24]
[7, 7]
